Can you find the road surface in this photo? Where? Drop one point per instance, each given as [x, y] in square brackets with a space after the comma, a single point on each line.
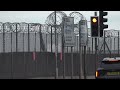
[67, 77]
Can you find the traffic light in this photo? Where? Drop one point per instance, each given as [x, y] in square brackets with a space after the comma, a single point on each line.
[94, 26]
[101, 21]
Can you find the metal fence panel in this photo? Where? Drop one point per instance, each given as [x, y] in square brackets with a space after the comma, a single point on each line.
[5, 66]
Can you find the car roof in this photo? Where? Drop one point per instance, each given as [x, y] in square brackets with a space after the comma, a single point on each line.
[111, 59]
[118, 58]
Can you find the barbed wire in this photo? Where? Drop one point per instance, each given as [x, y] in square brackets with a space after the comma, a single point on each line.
[77, 17]
[21, 27]
[50, 21]
[111, 33]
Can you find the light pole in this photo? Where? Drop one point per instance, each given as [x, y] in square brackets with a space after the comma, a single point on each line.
[56, 67]
[80, 52]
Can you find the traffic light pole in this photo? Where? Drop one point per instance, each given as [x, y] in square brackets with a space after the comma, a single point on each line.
[95, 46]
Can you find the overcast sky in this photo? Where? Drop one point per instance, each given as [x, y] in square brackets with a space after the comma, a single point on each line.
[40, 17]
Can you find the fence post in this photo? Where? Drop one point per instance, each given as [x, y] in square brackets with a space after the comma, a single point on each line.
[77, 45]
[84, 62]
[56, 67]
[114, 44]
[16, 38]
[40, 36]
[51, 38]
[46, 42]
[111, 43]
[28, 38]
[118, 43]
[80, 54]
[24, 57]
[11, 58]
[89, 50]
[35, 54]
[63, 51]
[3, 37]
[72, 62]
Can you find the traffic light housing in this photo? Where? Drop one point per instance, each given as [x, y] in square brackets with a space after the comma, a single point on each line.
[101, 21]
[94, 26]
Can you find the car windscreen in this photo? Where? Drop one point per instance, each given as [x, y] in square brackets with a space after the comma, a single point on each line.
[110, 64]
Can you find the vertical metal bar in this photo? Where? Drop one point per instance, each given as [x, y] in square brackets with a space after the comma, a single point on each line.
[63, 51]
[46, 52]
[73, 49]
[57, 46]
[11, 59]
[46, 42]
[67, 49]
[80, 52]
[72, 62]
[92, 45]
[114, 45]
[64, 62]
[95, 47]
[3, 37]
[84, 61]
[24, 57]
[104, 44]
[23, 41]
[3, 41]
[95, 52]
[56, 69]
[51, 38]
[89, 50]
[63, 54]
[82, 71]
[40, 36]
[77, 44]
[118, 43]
[98, 45]
[57, 42]
[35, 54]
[16, 42]
[111, 43]
[28, 39]
[16, 38]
